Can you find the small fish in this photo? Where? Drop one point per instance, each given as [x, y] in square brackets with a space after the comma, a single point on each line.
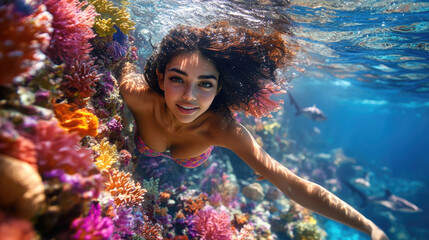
[364, 181]
[389, 200]
[313, 112]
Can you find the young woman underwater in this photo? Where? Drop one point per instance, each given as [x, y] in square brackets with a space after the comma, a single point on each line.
[192, 84]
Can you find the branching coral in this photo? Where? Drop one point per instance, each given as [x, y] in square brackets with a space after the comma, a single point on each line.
[110, 16]
[123, 189]
[149, 230]
[72, 30]
[23, 40]
[108, 155]
[80, 82]
[57, 149]
[93, 226]
[212, 224]
[76, 120]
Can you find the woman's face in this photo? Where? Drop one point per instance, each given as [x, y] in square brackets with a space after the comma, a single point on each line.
[190, 83]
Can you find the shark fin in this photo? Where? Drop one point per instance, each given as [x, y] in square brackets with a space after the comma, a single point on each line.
[362, 195]
[387, 193]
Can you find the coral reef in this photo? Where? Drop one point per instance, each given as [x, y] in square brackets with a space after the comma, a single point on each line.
[79, 83]
[123, 189]
[110, 16]
[72, 30]
[212, 224]
[73, 119]
[24, 38]
[24, 188]
[57, 149]
[93, 226]
[16, 228]
[108, 155]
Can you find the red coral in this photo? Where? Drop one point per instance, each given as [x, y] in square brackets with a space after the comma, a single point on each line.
[214, 225]
[57, 149]
[22, 40]
[15, 228]
[72, 30]
[20, 148]
[80, 81]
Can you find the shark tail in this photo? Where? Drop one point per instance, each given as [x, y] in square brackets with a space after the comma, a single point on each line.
[362, 195]
[293, 102]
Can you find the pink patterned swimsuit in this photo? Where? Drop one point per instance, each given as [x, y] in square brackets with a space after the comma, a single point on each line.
[187, 162]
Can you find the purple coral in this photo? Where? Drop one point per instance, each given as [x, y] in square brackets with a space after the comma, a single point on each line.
[93, 226]
[212, 224]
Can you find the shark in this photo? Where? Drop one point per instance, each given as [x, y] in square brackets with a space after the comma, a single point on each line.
[389, 200]
[312, 112]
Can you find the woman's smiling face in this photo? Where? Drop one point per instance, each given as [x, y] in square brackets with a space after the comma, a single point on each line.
[190, 83]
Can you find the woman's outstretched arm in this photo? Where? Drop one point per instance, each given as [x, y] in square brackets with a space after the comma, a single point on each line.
[305, 193]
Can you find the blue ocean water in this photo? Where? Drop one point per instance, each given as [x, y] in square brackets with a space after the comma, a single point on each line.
[367, 68]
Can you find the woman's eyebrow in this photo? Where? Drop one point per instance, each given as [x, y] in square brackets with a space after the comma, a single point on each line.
[178, 71]
[210, 76]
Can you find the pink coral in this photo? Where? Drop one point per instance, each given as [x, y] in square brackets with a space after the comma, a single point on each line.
[80, 81]
[212, 224]
[23, 39]
[72, 30]
[57, 149]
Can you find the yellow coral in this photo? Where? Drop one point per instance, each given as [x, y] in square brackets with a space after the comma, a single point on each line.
[123, 189]
[77, 120]
[108, 155]
[269, 128]
[111, 15]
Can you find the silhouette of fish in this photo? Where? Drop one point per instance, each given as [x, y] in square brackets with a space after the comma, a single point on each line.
[389, 200]
[312, 112]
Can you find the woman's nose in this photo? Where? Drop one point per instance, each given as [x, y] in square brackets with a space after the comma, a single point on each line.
[189, 93]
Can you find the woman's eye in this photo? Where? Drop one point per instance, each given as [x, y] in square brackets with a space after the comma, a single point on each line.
[206, 85]
[176, 79]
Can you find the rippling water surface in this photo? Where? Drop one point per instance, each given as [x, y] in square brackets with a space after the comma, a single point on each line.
[367, 67]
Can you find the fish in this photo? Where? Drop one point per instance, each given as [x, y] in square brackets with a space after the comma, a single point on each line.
[389, 200]
[312, 112]
[363, 181]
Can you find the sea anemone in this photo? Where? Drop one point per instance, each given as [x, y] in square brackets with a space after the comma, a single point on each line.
[23, 40]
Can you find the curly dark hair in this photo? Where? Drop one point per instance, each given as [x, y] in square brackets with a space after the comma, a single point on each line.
[247, 61]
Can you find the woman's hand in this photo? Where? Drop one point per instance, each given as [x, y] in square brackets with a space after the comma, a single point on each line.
[378, 234]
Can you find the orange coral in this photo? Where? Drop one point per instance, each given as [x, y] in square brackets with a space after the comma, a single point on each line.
[23, 40]
[164, 196]
[162, 212]
[240, 219]
[77, 120]
[193, 206]
[123, 189]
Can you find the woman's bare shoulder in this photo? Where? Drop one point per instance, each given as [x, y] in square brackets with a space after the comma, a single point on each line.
[134, 88]
[225, 130]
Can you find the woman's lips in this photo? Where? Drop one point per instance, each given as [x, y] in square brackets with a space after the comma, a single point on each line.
[187, 109]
